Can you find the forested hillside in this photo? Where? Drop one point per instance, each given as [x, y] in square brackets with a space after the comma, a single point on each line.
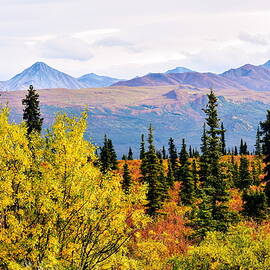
[66, 204]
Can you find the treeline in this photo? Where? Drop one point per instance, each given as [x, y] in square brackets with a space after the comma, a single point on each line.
[64, 204]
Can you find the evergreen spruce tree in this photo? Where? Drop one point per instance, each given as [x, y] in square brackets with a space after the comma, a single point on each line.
[254, 204]
[187, 192]
[108, 156]
[265, 132]
[113, 156]
[190, 152]
[164, 155]
[234, 172]
[196, 176]
[235, 151]
[173, 157]
[142, 147]
[130, 154]
[183, 155]
[153, 174]
[223, 143]
[124, 157]
[241, 148]
[126, 183]
[105, 155]
[245, 179]
[31, 111]
[213, 179]
[258, 148]
[203, 159]
[246, 152]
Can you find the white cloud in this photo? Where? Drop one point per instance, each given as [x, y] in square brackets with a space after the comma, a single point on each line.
[256, 39]
[128, 38]
[65, 48]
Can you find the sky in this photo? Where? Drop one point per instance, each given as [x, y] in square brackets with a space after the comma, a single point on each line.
[127, 38]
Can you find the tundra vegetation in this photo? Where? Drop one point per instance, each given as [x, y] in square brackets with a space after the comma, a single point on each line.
[64, 204]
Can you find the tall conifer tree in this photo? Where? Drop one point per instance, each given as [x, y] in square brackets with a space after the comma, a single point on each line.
[215, 186]
[164, 155]
[223, 143]
[153, 174]
[126, 183]
[108, 156]
[31, 111]
[130, 154]
[187, 192]
[245, 179]
[258, 148]
[142, 147]
[265, 132]
[173, 157]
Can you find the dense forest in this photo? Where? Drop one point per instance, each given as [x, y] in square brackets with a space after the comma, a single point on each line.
[66, 204]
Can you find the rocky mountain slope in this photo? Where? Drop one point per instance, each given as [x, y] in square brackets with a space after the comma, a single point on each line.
[124, 113]
[42, 76]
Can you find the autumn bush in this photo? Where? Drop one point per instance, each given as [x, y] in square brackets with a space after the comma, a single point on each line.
[57, 211]
[242, 247]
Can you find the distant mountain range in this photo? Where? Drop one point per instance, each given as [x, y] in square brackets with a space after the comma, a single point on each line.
[171, 101]
[245, 77]
[43, 76]
[196, 79]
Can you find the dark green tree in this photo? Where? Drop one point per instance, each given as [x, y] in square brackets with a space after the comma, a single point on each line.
[245, 179]
[113, 156]
[164, 155]
[126, 183]
[187, 191]
[173, 157]
[258, 148]
[213, 179]
[108, 156]
[254, 204]
[142, 147]
[233, 172]
[190, 151]
[223, 143]
[31, 111]
[243, 148]
[265, 139]
[183, 155]
[153, 174]
[130, 154]
[195, 175]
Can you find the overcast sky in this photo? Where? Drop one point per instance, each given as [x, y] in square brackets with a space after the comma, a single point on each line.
[126, 38]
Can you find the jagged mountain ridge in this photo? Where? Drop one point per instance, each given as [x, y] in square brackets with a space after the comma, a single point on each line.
[43, 76]
[245, 77]
[250, 76]
[196, 79]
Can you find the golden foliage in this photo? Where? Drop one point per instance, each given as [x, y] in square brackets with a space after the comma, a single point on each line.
[57, 211]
